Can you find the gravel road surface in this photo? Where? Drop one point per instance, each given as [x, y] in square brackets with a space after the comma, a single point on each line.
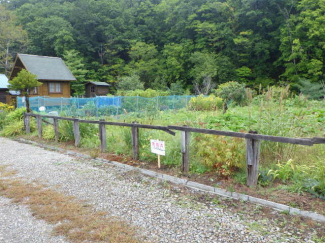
[149, 204]
[17, 225]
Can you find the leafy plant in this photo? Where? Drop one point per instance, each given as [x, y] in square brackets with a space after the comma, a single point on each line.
[48, 132]
[16, 115]
[221, 154]
[13, 129]
[205, 103]
[6, 107]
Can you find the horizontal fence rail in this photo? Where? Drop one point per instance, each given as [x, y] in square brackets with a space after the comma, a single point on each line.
[301, 141]
[253, 140]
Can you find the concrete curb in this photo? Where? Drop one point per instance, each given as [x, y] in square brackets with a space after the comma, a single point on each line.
[190, 184]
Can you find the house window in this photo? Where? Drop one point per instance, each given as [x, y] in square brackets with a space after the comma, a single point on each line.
[35, 91]
[55, 88]
[92, 89]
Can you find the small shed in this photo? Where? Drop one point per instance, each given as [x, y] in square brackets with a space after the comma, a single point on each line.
[6, 95]
[3, 88]
[96, 89]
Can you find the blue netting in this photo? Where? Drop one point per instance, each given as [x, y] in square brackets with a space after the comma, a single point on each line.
[105, 105]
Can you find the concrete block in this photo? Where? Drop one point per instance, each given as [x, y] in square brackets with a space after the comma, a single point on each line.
[199, 186]
[173, 179]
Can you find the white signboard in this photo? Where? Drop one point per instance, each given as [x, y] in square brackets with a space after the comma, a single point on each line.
[157, 147]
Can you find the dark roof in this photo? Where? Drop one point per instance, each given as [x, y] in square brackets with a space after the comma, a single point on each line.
[47, 68]
[99, 83]
[3, 81]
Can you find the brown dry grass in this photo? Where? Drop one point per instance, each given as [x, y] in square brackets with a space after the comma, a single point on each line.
[78, 222]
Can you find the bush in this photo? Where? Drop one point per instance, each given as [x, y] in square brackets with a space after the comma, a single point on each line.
[130, 83]
[232, 91]
[311, 90]
[6, 107]
[7, 116]
[277, 93]
[205, 103]
[304, 178]
[13, 129]
[48, 132]
[16, 115]
[66, 130]
[224, 155]
[3, 115]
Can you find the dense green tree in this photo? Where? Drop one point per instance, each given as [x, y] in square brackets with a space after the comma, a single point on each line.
[188, 42]
[24, 82]
[130, 83]
[145, 62]
[75, 63]
[304, 48]
[12, 39]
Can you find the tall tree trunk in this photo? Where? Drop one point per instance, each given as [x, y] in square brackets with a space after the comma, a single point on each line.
[7, 60]
[27, 104]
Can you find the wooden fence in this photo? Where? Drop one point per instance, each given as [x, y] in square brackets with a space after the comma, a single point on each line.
[253, 140]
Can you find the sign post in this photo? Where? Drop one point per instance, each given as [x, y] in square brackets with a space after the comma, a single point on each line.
[158, 147]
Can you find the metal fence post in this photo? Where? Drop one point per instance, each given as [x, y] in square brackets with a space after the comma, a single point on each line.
[96, 106]
[138, 103]
[135, 142]
[56, 129]
[173, 102]
[61, 104]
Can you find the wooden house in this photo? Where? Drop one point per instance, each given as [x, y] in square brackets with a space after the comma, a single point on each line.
[96, 89]
[52, 72]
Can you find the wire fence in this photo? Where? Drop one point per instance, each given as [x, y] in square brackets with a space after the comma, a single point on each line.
[105, 105]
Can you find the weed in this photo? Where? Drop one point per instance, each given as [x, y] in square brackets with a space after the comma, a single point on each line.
[78, 222]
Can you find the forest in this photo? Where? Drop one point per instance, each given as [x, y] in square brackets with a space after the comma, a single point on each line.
[172, 44]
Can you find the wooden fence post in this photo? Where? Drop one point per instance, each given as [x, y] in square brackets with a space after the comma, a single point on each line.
[135, 141]
[76, 132]
[102, 136]
[56, 129]
[39, 125]
[27, 123]
[252, 160]
[185, 146]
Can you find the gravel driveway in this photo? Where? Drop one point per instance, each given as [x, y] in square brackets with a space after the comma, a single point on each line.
[149, 204]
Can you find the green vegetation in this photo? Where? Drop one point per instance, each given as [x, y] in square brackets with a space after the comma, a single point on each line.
[193, 45]
[25, 82]
[274, 112]
[205, 103]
